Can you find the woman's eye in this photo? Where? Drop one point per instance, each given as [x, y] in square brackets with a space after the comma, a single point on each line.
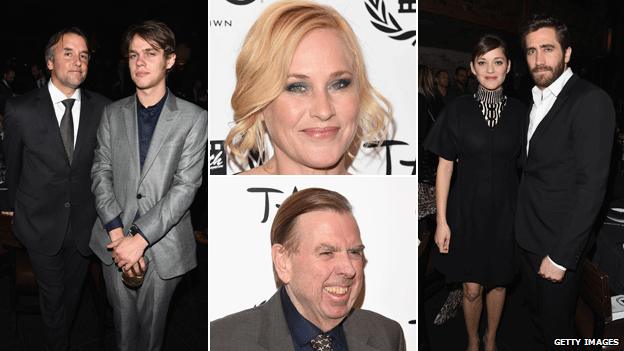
[296, 87]
[341, 83]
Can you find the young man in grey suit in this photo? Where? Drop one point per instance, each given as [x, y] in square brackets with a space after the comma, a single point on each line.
[569, 136]
[146, 171]
[50, 135]
[318, 262]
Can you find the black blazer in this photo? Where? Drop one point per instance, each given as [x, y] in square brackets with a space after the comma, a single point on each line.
[46, 193]
[565, 173]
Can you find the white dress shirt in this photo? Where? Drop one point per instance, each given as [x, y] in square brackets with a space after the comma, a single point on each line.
[543, 100]
[59, 109]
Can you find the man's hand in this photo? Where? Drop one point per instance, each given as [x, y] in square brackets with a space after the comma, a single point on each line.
[7, 213]
[548, 271]
[138, 268]
[116, 234]
[127, 250]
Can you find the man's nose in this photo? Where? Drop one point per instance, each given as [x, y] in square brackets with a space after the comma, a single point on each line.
[346, 265]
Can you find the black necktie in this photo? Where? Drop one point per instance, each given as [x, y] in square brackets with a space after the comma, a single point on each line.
[67, 128]
[322, 342]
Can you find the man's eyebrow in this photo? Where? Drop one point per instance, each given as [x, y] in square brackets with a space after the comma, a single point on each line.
[327, 247]
[357, 248]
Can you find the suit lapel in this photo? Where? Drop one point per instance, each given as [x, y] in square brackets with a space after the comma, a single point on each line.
[163, 128]
[357, 334]
[50, 123]
[130, 120]
[554, 110]
[274, 334]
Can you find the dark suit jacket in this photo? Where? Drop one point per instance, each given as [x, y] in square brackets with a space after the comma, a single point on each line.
[565, 173]
[264, 328]
[48, 194]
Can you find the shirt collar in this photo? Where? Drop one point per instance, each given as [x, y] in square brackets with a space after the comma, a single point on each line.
[302, 330]
[157, 106]
[554, 88]
[57, 96]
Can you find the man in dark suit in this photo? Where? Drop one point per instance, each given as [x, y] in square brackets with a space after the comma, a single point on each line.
[318, 262]
[50, 135]
[570, 132]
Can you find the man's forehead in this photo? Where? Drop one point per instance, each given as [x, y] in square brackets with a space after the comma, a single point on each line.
[69, 41]
[138, 43]
[317, 226]
[545, 35]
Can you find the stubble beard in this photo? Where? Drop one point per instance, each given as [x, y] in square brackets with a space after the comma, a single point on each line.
[544, 80]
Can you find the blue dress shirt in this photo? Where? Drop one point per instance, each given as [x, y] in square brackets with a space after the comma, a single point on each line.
[302, 330]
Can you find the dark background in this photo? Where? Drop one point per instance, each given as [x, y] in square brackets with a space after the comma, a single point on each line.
[457, 25]
[25, 27]
[597, 32]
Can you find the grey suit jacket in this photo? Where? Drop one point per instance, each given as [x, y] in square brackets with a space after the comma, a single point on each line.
[264, 328]
[161, 192]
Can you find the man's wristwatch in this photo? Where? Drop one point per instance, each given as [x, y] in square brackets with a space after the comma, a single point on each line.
[134, 230]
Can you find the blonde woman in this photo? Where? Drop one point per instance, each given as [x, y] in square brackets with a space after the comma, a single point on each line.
[302, 82]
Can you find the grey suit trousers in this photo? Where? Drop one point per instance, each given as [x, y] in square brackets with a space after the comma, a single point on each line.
[139, 315]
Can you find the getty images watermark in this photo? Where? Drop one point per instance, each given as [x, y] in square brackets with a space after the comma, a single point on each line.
[586, 342]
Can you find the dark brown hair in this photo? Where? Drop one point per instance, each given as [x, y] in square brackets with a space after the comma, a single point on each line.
[538, 21]
[56, 37]
[157, 34]
[487, 43]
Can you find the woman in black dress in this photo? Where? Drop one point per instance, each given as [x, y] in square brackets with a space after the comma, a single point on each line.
[480, 136]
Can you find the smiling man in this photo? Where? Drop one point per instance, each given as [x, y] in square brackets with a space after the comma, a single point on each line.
[318, 262]
[50, 135]
[567, 149]
[146, 170]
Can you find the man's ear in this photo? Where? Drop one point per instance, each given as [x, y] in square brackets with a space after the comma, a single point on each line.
[281, 262]
[171, 60]
[567, 55]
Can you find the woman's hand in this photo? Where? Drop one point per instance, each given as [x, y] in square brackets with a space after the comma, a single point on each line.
[443, 237]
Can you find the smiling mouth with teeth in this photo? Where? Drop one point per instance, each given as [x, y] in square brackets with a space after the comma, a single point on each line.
[337, 290]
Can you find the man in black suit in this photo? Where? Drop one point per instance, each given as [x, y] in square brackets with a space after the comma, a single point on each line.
[566, 156]
[50, 135]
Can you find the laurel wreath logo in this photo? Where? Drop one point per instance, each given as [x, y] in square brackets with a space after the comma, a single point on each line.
[385, 22]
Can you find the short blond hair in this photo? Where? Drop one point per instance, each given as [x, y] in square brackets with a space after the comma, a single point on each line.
[262, 70]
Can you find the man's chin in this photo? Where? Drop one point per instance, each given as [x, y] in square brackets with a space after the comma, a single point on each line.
[543, 80]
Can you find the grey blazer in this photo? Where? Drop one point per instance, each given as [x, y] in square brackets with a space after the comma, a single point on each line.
[264, 328]
[161, 192]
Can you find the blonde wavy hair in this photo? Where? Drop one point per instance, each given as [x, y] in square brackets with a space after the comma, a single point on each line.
[262, 69]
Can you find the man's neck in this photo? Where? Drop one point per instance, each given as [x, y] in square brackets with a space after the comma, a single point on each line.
[67, 91]
[151, 96]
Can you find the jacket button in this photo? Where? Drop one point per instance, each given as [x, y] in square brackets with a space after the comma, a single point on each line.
[67, 204]
[139, 196]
